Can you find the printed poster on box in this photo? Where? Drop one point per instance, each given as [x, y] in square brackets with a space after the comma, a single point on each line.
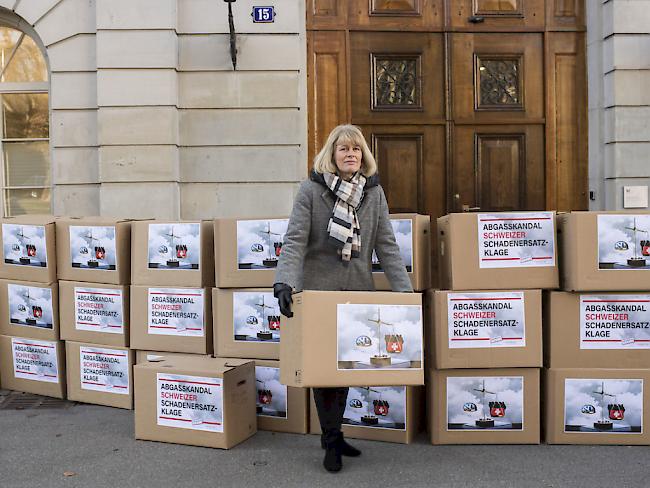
[30, 306]
[174, 246]
[256, 317]
[612, 406]
[259, 243]
[486, 320]
[271, 397]
[488, 403]
[34, 360]
[623, 242]
[381, 407]
[189, 402]
[615, 322]
[98, 310]
[516, 240]
[403, 230]
[372, 336]
[24, 245]
[175, 311]
[93, 247]
[104, 370]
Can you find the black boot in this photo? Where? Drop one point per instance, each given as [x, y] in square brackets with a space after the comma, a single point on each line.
[346, 449]
[332, 461]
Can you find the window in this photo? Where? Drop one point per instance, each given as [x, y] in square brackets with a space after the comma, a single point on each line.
[25, 125]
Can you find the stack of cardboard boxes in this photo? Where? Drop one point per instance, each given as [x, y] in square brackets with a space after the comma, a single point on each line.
[485, 336]
[32, 358]
[598, 331]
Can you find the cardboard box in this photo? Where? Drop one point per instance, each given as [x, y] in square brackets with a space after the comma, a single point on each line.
[94, 249]
[378, 413]
[29, 309]
[597, 330]
[601, 251]
[99, 374]
[96, 313]
[280, 408]
[32, 366]
[169, 253]
[597, 406]
[28, 248]
[486, 329]
[175, 319]
[157, 356]
[511, 251]
[352, 338]
[224, 391]
[464, 406]
[246, 323]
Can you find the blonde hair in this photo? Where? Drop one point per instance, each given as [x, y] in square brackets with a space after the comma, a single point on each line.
[345, 134]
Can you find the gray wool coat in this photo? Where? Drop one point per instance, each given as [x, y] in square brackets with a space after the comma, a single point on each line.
[310, 262]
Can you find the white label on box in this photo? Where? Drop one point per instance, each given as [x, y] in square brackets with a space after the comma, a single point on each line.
[516, 240]
[24, 245]
[259, 243]
[174, 246]
[98, 310]
[615, 322]
[175, 311]
[35, 360]
[256, 317]
[30, 306]
[271, 394]
[623, 242]
[104, 370]
[376, 407]
[93, 247]
[190, 402]
[403, 230]
[482, 320]
[605, 406]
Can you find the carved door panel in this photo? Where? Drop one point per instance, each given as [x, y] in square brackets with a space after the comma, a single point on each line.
[402, 15]
[495, 15]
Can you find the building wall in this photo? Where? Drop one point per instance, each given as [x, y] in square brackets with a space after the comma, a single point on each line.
[150, 120]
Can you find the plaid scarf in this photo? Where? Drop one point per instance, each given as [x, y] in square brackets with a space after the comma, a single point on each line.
[343, 227]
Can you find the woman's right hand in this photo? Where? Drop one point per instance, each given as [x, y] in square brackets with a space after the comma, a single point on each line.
[282, 292]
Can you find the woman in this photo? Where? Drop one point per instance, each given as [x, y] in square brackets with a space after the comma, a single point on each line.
[339, 216]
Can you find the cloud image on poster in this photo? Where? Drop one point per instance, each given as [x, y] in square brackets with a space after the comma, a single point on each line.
[371, 336]
[613, 406]
[92, 247]
[174, 246]
[623, 242]
[403, 230]
[271, 396]
[485, 403]
[382, 407]
[259, 243]
[256, 317]
[24, 245]
[30, 306]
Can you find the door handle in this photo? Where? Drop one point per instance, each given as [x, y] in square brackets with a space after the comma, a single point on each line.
[467, 208]
[476, 19]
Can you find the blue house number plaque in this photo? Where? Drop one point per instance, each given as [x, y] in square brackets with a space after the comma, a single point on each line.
[263, 15]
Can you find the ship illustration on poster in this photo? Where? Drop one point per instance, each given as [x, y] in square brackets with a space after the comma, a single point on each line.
[256, 317]
[603, 405]
[403, 230]
[271, 395]
[379, 336]
[490, 403]
[259, 243]
[92, 247]
[623, 242]
[377, 407]
[24, 245]
[30, 306]
[174, 246]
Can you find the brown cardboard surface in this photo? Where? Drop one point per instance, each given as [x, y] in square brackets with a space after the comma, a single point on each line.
[578, 245]
[69, 331]
[437, 409]
[529, 356]
[562, 336]
[308, 350]
[225, 344]
[141, 274]
[141, 339]
[46, 274]
[239, 419]
[420, 273]
[121, 275]
[10, 382]
[76, 391]
[459, 265]
[157, 356]
[414, 424]
[554, 392]
[7, 327]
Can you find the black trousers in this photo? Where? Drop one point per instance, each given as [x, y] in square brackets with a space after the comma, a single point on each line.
[330, 405]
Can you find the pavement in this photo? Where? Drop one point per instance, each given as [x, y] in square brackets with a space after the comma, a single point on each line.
[93, 446]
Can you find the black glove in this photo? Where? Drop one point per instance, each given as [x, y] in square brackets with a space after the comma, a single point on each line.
[282, 292]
